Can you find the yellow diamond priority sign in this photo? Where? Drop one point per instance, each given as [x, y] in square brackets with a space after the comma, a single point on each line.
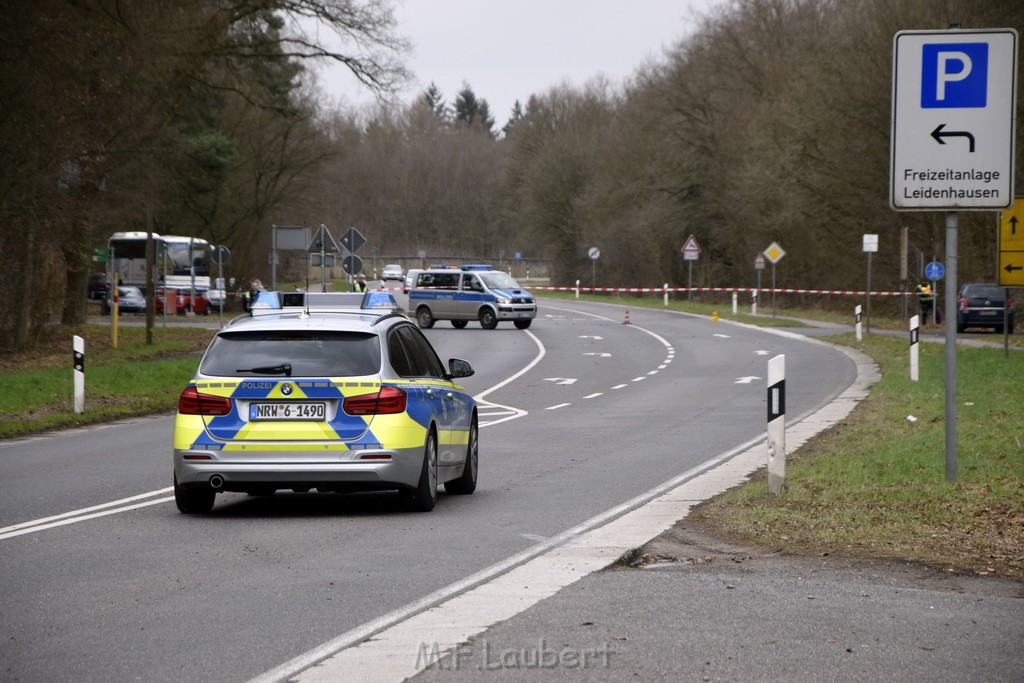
[774, 253]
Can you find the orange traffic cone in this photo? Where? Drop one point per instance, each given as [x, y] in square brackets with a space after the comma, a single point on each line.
[625, 321]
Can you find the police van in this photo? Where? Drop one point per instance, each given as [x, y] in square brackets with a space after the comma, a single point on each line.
[470, 294]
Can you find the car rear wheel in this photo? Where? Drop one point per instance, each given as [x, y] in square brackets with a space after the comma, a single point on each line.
[193, 501]
[488, 320]
[466, 483]
[424, 496]
[424, 317]
[459, 324]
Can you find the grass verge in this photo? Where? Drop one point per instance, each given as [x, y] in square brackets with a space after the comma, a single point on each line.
[133, 379]
[875, 485]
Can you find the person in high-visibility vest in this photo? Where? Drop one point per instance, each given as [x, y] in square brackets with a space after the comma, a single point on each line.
[926, 297]
[360, 284]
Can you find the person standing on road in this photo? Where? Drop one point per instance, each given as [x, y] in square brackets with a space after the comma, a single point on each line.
[927, 299]
[360, 285]
[249, 297]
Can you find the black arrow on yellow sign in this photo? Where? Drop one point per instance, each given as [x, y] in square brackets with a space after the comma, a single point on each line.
[1010, 268]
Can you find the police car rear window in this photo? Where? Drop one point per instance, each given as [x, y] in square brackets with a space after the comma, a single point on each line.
[292, 354]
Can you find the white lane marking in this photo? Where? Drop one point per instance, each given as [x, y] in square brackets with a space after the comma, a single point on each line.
[84, 511]
[638, 379]
[561, 380]
[529, 366]
[486, 410]
[591, 336]
[557, 406]
[620, 386]
[599, 354]
[760, 352]
[746, 380]
[653, 372]
[600, 393]
[722, 336]
[75, 520]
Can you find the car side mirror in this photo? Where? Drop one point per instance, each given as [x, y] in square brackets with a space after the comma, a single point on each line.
[459, 368]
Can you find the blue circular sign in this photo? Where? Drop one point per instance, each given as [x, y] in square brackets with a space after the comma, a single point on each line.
[934, 271]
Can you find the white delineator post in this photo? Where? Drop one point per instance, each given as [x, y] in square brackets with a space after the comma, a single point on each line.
[735, 302]
[665, 287]
[776, 424]
[753, 302]
[577, 289]
[856, 322]
[914, 351]
[78, 344]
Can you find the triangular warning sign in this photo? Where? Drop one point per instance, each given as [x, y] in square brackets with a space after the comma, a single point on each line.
[691, 245]
[322, 243]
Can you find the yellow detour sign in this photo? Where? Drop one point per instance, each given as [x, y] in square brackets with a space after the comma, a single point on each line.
[1011, 246]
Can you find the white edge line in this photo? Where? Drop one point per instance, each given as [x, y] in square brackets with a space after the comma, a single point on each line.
[364, 631]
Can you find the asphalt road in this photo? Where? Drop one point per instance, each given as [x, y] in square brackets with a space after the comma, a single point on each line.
[580, 413]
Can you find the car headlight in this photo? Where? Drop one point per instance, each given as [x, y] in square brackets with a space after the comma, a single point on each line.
[503, 300]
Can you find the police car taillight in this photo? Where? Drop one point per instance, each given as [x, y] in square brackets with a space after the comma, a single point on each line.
[387, 401]
[191, 402]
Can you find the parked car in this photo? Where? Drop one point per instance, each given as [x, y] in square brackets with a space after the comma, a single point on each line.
[216, 295]
[183, 302]
[982, 304]
[99, 285]
[299, 397]
[392, 272]
[129, 300]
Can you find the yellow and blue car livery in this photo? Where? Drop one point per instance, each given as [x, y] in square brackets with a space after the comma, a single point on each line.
[255, 417]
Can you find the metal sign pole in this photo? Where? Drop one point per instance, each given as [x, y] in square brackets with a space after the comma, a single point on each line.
[951, 285]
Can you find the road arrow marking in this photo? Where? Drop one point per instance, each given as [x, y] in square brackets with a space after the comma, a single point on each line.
[601, 354]
[590, 336]
[560, 380]
[746, 380]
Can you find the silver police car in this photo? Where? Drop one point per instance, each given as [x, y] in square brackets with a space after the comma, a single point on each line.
[299, 396]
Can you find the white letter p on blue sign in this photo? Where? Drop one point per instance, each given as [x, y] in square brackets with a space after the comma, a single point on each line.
[954, 75]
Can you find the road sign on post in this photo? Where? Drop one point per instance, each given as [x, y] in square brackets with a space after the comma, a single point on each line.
[1011, 246]
[953, 104]
[352, 240]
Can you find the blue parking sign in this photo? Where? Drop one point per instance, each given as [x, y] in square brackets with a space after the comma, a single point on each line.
[954, 75]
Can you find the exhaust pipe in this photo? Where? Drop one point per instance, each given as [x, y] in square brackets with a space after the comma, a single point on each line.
[217, 482]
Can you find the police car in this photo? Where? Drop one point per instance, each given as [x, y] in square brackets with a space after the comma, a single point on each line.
[319, 392]
[470, 293]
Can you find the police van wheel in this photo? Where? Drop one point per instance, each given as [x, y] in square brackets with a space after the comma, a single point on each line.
[488, 320]
[523, 324]
[424, 317]
[459, 324]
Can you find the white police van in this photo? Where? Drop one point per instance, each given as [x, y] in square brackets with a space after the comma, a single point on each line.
[470, 293]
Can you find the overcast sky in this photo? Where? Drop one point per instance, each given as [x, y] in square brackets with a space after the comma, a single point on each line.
[509, 49]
